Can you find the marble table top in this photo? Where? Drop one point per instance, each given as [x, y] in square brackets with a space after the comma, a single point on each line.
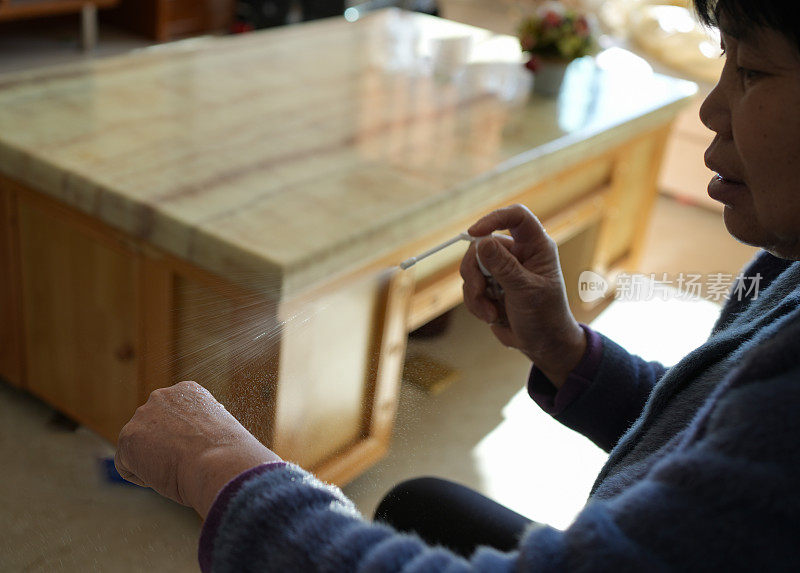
[281, 158]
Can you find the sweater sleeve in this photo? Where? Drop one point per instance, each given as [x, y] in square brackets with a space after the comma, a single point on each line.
[607, 391]
[603, 395]
[724, 500]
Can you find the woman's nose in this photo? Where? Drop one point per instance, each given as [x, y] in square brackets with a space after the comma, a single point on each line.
[714, 112]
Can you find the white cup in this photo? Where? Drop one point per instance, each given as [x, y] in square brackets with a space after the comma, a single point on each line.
[450, 54]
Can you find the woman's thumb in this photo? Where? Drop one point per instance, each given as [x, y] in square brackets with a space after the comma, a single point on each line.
[504, 266]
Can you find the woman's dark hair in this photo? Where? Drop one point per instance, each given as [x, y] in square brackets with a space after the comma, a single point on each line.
[778, 15]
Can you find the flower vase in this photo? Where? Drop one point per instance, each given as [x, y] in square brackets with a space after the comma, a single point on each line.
[549, 76]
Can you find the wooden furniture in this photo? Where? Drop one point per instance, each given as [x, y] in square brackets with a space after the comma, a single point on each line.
[164, 20]
[232, 210]
[21, 9]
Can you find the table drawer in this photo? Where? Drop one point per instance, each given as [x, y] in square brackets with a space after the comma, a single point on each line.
[187, 17]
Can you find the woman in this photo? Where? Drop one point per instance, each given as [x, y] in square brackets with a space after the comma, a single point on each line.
[704, 457]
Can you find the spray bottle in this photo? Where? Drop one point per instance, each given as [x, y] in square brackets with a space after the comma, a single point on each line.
[493, 290]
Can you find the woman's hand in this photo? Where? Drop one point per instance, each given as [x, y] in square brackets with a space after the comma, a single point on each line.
[538, 320]
[186, 446]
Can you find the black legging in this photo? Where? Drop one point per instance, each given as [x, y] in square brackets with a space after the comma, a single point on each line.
[452, 515]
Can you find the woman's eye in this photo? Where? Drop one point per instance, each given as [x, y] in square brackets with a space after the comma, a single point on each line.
[747, 74]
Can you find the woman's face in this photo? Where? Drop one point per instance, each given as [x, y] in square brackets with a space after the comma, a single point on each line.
[755, 112]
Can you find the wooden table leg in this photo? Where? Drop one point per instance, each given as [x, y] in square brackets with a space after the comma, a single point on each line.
[88, 27]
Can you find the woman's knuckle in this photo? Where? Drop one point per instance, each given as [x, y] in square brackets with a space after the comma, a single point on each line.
[467, 292]
[124, 437]
[506, 266]
[469, 299]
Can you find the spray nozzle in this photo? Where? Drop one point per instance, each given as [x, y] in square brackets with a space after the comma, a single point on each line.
[494, 290]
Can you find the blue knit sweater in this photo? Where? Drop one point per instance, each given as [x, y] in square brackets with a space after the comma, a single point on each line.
[702, 475]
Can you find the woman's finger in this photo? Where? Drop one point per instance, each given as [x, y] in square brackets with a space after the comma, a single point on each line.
[474, 288]
[524, 226]
[123, 471]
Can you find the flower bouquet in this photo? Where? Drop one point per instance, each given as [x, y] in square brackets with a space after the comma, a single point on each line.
[554, 36]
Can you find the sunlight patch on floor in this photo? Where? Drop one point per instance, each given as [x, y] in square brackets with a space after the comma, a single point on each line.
[659, 329]
[542, 469]
[535, 465]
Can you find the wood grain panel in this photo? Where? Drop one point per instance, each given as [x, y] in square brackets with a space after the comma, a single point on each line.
[81, 305]
[11, 359]
[156, 288]
[228, 344]
[16, 9]
[165, 20]
[185, 17]
[435, 296]
[324, 370]
[387, 356]
[382, 386]
[630, 201]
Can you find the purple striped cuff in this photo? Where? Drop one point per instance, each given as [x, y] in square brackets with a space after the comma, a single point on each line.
[205, 551]
[553, 401]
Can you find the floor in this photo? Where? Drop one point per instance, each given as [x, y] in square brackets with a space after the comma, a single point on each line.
[60, 513]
